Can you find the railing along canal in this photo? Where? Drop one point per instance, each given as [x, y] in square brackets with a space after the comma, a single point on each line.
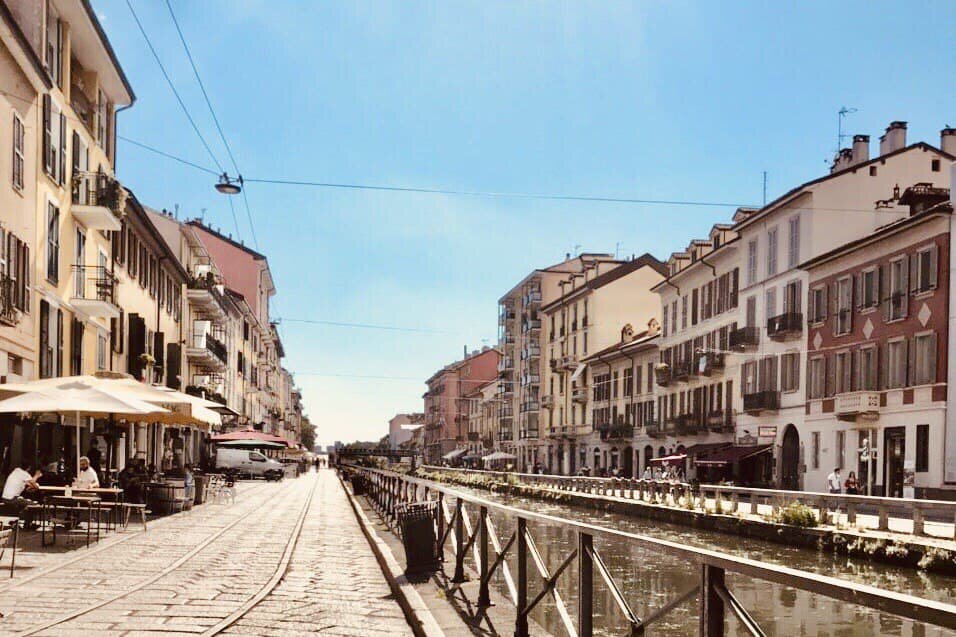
[456, 533]
[730, 497]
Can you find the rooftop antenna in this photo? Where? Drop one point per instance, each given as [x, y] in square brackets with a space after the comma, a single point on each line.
[202, 215]
[617, 250]
[176, 211]
[765, 187]
[841, 118]
[577, 249]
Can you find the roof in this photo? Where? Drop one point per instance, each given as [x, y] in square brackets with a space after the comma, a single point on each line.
[890, 229]
[109, 48]
[236, 244]
[640, 339]
[645, 260]
[701, 259]
[850, 169]
[559, 268]
[167, 252]
[27, 49]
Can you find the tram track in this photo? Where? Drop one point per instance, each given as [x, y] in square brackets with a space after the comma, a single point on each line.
[179, 566]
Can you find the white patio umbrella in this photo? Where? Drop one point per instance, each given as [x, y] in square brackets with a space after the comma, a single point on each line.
[77, 398]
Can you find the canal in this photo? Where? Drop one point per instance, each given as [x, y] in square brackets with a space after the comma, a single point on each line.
[649, 580]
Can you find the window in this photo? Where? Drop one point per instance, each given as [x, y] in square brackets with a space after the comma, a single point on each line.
[869, 291]
[772, 252]
[18, 150]
[934, 165]
[815, 449]
[751, 311]
[793, 297]
[793, 242]
[818, 304]
[868, 369]
[872, 171]
[896, 376]
[897, 304]
[844, 317]
[683, 312]
[628, 382]
[53, 244]
[674, 317]
[817, 380]
[841, 448]
[750, 377]
[768, 373]
[924, 269]
[925, 359]
[752, 262]
[843, 372]
[771, 302]
[664, 323]
[790, 372]
[922, 448]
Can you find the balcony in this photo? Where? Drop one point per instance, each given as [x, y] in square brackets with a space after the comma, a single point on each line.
[720, 420]
[615, 431]
[529, 406]
[681, 371]
[707, 364]
[94, 291]
[533, 297]
[565, 364]
[785, 326]
[529, 380]
[206, 297]
[98, 201]
[505, 316]
[474, 436]
[531, 326]
[859, 403]
[505, 412]
[768, 400]
[507, 338]
[744, 338]
[505, 390]
[662, 374]
[206, 351]
[579, 394]
[687, 424]
[505, 434]
[547, 401]
[84, 108]
[9, 313]
[653, 429]
[531, 353]
[506, 364]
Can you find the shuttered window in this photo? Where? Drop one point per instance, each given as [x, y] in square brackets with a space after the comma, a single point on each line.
[18, 152]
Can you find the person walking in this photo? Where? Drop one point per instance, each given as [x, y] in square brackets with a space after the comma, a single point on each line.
[834, 484]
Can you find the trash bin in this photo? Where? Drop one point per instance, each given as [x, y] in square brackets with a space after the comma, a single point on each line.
[358, 484]
[202, 485]
[417, 522]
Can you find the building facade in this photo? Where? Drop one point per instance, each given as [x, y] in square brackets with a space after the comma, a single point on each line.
[877, 355]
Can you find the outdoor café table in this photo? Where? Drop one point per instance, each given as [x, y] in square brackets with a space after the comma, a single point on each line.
[115, 493]
[53, 502]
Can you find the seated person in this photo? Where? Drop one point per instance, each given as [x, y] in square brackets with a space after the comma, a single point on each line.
[86, 477]
[51, 477]
[131, 480]
[21, 481]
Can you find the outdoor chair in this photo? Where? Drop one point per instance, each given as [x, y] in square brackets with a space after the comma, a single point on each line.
[9, 536]
[128, 508]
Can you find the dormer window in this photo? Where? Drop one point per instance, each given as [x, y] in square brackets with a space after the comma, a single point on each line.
[716, 241]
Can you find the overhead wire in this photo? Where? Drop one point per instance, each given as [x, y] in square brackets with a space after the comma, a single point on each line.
[172, 86]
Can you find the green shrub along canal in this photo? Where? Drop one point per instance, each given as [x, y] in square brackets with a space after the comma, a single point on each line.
[650, 580]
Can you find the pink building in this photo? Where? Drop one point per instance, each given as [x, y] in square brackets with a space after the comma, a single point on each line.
[446, 409]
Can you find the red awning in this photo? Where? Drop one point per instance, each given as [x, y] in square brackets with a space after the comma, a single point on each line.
[730, 455]
[705, 448]
[675, 459]
[250, 434]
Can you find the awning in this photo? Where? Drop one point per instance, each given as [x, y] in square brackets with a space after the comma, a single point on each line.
[577, 372]
[675, 459]
[472, 456]
[251, 444]
[706, 448]
[250, 434]
[731, 455]
[499, 455]
[451, 455]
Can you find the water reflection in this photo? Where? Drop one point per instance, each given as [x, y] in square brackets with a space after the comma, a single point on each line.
[649, 580]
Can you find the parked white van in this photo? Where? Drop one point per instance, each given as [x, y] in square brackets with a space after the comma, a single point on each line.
[248, 462]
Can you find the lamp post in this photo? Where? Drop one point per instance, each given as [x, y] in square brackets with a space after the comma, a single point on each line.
[228, 185]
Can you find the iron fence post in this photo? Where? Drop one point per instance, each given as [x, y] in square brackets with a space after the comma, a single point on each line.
[484, 598]
[459, 543]
[585, 585]
[711, 605]
[521, 620]
[440, 513]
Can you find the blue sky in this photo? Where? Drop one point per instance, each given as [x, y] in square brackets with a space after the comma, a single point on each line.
[644, 100]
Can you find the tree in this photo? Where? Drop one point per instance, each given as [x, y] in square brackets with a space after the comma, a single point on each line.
[307, 434]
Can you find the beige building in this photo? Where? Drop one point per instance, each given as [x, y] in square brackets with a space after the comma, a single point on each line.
[482, 424]
[592, 311]
[521, 341]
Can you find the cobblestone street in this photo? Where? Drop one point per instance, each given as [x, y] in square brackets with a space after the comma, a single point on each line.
[201, 570]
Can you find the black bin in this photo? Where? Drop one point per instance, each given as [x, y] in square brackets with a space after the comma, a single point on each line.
[358, 484]
[417, 522]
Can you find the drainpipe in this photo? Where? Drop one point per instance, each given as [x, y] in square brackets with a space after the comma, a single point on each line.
[713, 270]
[949, 466]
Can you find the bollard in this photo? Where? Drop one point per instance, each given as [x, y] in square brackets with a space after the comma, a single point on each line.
[918, 521]
[884, 523]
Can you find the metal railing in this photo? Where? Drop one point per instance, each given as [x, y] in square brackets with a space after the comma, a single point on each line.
[94, 283]
[671, 491]
[9, 312]
[97, 189]
[463, 525]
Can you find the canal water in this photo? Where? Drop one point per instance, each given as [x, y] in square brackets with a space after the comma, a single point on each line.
[649, 579]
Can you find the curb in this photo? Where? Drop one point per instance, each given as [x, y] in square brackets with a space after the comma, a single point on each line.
[417, 614]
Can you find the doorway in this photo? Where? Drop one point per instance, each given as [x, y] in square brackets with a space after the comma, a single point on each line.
[790, 460]
[628, 460]
[894, 450]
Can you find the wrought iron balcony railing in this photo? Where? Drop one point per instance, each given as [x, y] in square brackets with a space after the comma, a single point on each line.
[767, 400]
[784, 326]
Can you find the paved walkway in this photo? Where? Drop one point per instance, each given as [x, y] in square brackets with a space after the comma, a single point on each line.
[190, 572]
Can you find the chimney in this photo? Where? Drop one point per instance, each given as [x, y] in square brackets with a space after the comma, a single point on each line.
[947, 140]
[861, 149]
[842, 160]
[894, 138]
